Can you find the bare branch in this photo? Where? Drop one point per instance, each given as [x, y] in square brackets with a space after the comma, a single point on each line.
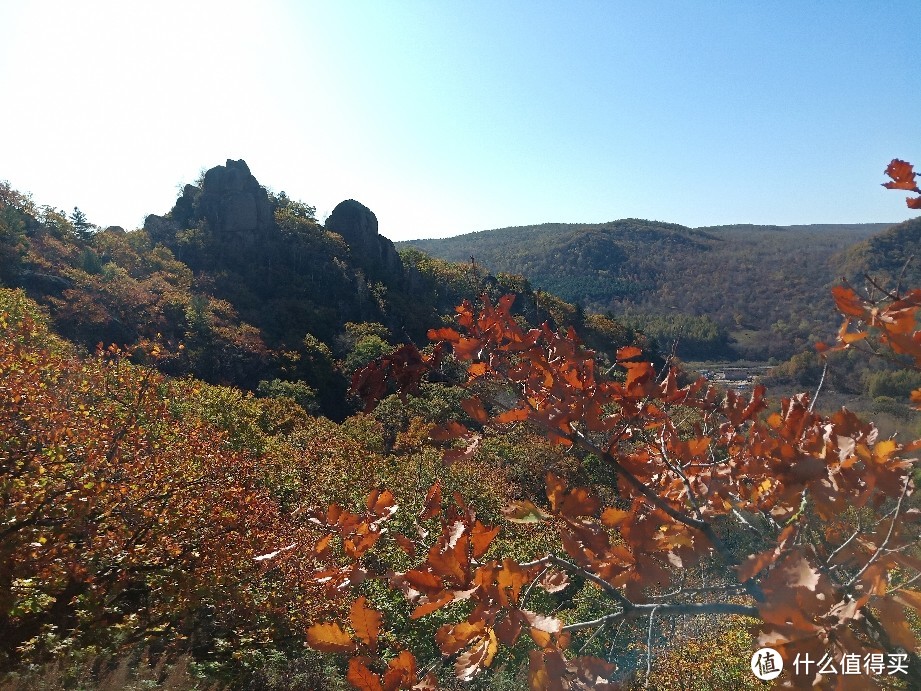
[819, 387]
[882, 547]
[690, 608]
[588, 575]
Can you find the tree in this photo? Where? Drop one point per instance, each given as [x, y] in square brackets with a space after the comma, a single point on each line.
[801, 522]
[82, 227]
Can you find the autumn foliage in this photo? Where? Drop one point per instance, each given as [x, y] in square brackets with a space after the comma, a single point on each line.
[138, 508]
[903, 178]
[830, 550]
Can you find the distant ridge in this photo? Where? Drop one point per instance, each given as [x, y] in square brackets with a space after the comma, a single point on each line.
[769, 280]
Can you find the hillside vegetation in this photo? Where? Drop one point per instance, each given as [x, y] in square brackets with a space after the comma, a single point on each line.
[243, 449]
[750, 282]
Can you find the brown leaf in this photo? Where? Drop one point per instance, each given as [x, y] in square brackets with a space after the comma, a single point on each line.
[479, 655]
[401, 671]
[514, 415]
[432, 505]
[508, 628]
[542, 622]
[366, 622]
[554, 581]
[481, 537]
[329, 638]
[361, 677]
[892, 615]
[754, 563]
[406, 544]
[473, 406]
[909, 598]
[430, 605]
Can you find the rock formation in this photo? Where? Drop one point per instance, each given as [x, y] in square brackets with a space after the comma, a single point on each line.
[232, 202]
[374, 253]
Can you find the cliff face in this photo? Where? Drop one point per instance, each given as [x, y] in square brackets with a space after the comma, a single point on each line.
[231, 201]
[233, 217]
[374, 253]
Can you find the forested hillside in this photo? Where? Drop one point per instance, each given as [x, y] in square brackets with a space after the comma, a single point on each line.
[246, 287]
[745, 282]
[242, 449]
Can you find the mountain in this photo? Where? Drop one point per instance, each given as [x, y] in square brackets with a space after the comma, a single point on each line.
[766, 286]
[244, 287]
[888, 256]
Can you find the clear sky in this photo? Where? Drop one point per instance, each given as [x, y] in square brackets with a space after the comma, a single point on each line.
[450, 117]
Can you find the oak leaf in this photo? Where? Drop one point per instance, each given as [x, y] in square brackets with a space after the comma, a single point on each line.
[361, 677]
[329, 638]
[366, 622]
[903, 176]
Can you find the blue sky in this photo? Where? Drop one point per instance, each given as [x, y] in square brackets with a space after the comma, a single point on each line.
[446, 118]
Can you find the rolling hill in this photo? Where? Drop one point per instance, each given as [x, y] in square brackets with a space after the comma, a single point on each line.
[767, 286]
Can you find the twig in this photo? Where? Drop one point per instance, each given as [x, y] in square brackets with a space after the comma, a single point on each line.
[882, 547]
[588, 575]
[649, 647]
[524, 598]
[898, 285]
[591, 638]
[692, 608]
[819, 387]
[845, 543]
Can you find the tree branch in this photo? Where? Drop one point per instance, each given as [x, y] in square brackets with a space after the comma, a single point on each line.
[691, 608]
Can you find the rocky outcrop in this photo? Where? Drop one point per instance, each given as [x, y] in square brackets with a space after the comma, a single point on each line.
[161, 230]
[232, 202]
[374, 253]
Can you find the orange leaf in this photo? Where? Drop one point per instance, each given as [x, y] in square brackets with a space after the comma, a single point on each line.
[430, 606]
[449, 431]
[848, 301]
[381, 503]
[913, 202]
[628, 353]
[452, 638]
[422, 580]
[361, 677]
[366, 622]
[329, 638]
[514, 415]
[474, 408]
[614, 518]
[481, 537]
[477, 369]
[445, 334]
[401, 671]
[432, 502]
[916, 397]
[903, 176]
